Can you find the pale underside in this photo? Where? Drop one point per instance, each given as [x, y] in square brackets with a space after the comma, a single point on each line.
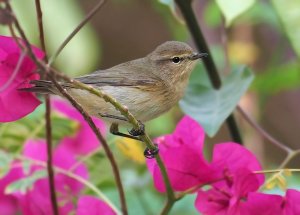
[144, 105]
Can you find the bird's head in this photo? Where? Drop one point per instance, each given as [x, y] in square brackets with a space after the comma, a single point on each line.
[174, 60]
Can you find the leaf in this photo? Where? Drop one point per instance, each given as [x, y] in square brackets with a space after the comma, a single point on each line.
[211, 107]
[169, 3]
[289, 14]
[60, 18]
[278, 79]
[25, 184]
[33, 127]
[5, 160]
[232, 9]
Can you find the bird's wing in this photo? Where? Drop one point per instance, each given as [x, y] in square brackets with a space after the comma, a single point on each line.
[114, 78]
[120, 76]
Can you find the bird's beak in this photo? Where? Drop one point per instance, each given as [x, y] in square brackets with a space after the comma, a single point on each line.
[196, 56]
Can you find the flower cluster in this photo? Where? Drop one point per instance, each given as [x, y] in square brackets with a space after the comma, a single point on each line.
[230, 174]
[37, 200]
[16, 70]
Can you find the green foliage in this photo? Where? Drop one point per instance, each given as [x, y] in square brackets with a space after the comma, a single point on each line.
[212, 14]
[169, 3]
[231, 10]
[166, 8]
[289, 15]
[211, 107]
[25, 183]
[278, 79]
[14, 134]
[60, 18]
[260, 13]
[5, 161]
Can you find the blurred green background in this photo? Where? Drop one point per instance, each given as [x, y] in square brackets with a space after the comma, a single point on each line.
[264, 37]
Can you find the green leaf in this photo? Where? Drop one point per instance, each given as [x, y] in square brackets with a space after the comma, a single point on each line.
[278, 79]
[232, 9]
[211, 107]
[60, 18]
[25, 184]
[5, 160]
[169, 3]
[289, 14]
[32, 126]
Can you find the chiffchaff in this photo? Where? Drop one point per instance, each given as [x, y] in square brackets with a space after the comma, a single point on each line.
[147, 86]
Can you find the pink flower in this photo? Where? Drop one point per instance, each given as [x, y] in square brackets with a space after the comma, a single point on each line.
[88, 205]
[230, 157]
[228, 198]
[186, 166]
[9, 204]
[182, 155]
[261, 203]
[15, 104]
[85, 140]
[268, 204]
[37, 200]
[291, 202]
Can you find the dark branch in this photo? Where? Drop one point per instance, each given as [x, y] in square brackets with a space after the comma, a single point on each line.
[45, 69]
[185, 7]
[47, 118]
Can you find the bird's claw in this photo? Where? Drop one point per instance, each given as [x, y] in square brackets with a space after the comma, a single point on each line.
[138, 131]
[150, 153]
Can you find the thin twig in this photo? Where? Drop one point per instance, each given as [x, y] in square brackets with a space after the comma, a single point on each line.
[76, 30]
[40, 25]
[85, 115]
[262, 132]
[275, 171]
[124, 111]
[105, 146]
[75, 177]
[84, 158]
[45, 68]
[47, 117]
[288, 158]
[186, 8]
[50, 156]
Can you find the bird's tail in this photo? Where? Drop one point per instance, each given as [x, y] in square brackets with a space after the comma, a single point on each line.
[41, 86]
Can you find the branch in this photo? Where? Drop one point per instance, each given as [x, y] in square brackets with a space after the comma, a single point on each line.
[263, 132]
[45, 69]
[186, 8]
[105, 146]
[123, 110]
[47, 118]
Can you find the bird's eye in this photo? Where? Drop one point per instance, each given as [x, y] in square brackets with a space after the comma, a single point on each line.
[176, 60]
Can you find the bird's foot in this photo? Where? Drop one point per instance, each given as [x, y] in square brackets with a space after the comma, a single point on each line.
[138, 131]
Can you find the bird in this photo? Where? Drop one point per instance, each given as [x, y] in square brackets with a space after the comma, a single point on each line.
[148, 86]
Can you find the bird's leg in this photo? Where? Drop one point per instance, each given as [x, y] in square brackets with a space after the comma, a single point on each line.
[114, 129]
[112, 116]
[138, 131]
[133, 132]
[148, 153]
